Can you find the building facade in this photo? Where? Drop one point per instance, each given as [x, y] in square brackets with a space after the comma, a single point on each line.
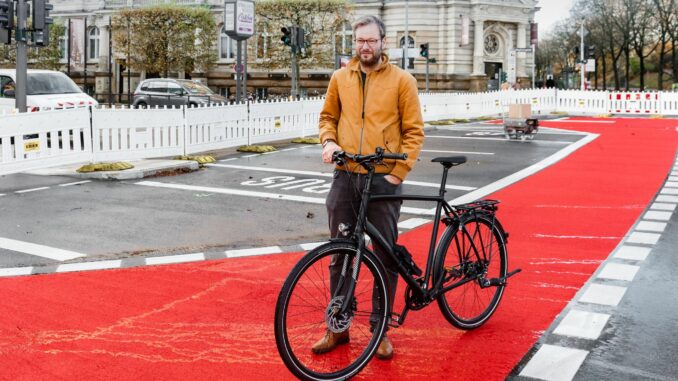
[470, 41]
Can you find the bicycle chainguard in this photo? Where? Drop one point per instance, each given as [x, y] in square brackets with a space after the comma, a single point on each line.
[484, 283]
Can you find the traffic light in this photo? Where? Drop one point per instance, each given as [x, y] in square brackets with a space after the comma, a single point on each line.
[7, 14]
[41, 21]
[287, 36]
[40, 16]
[590, 51]
[298, 36]
[6, 21]
[423, 50]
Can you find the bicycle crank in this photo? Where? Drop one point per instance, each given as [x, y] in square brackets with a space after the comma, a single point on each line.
[484, 282]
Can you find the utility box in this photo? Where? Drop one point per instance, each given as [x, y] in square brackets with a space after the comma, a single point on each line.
[520, 111]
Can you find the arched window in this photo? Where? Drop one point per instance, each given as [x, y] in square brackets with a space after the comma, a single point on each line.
[226, 45]
[410, 41]
[93, 44]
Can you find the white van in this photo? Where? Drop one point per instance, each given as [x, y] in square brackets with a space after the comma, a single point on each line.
[44, 89]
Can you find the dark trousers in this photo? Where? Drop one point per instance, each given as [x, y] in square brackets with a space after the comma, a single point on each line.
[343, 204]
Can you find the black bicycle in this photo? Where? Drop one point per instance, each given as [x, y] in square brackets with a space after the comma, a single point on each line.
[466, 273]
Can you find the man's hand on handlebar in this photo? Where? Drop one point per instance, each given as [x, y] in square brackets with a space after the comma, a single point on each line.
[328, 150]
[392, 179]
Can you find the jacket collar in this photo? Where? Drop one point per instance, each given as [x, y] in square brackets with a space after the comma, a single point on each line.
[354, 63]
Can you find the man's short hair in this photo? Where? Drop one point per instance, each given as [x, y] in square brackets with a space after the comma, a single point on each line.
[367, 20]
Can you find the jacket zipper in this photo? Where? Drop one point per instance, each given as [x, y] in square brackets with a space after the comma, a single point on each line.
[362, 128]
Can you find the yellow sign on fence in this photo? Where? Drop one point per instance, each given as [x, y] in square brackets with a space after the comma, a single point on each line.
[32, 145]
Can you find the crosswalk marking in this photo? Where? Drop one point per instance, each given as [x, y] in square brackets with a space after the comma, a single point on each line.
[582, 324]
[618, 271]
[554, 363]
[193, 257]
[603, 294]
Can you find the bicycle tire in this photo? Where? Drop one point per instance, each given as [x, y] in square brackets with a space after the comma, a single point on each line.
[469, 306]
[305, 297]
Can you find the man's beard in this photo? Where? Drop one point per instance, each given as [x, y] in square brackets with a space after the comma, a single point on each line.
[373, 61]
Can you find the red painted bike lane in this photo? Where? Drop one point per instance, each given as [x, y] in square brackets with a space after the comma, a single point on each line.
[214, 320]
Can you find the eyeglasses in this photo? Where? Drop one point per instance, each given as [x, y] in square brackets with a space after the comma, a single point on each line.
[371, 42]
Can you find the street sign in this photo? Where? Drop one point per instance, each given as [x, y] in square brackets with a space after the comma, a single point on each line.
[239, 68]
[523, 50]
[590, 65]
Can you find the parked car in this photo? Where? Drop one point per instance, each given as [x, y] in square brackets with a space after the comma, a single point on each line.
[174, 92]
[44, 89]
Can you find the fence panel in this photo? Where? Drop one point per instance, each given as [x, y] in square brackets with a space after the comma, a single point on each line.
[271, 121]
[128, 134]
[43, 139]
[211, 128]
[624, 102]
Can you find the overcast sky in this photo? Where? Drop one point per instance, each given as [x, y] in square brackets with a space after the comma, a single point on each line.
[551, 12]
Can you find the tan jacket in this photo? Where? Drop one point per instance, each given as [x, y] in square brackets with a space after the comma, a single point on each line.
[388, 116]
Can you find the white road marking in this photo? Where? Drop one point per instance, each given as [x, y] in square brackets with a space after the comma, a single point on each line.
[673, 178]
[311, 245]
[669, 191]
[618, 271]
[636, 253]
[75, 183]
[583, 324]
[231, 159]
[672, 184]
[85, 266]
[2, 194]
[540, 142]
[526, 172]
[663, 206]
[653, 215]
[277, 196]
[554, 363]
[664, 198]
[412, 223]
[643, 238]
[651, 226]
[15, 271]
[248, 156]
[38, 250]
[175, 259]
[538, 235]
[329, 174]
[581, 121]
[31, 190]
[254, 251]
[603, 294]
[458, 152]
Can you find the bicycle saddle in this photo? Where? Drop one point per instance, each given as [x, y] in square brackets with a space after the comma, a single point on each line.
[450, 161]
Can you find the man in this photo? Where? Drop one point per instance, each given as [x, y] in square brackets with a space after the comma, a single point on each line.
[369, 103]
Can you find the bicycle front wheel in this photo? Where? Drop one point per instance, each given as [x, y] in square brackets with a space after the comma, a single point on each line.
[466, 257]
[303, 314]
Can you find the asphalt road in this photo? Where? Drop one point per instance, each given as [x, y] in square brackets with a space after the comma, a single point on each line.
[243, 201]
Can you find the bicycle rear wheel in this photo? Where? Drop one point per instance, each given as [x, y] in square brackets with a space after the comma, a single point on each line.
[466, 256]
[302, 314]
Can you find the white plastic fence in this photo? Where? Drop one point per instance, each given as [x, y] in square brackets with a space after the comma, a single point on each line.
[39, 140]
[47, 138]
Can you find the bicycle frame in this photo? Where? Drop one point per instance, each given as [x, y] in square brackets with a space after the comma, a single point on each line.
[364, 226]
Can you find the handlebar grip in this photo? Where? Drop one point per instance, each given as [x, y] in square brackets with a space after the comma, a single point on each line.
[395, 156]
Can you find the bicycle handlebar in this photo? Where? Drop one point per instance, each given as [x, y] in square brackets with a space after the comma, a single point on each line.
[377, 157]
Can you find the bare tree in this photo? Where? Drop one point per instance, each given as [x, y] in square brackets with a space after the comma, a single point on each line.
[643, 33]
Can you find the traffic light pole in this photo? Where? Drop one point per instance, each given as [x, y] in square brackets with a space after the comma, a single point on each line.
[295, 74]
[581, 53]
[427, 62]
[21, 57]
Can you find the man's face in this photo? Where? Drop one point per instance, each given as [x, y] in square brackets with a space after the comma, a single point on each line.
[368, 44]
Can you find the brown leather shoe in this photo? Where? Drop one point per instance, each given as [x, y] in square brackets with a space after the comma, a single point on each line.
[385, 350]
[330, 341]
